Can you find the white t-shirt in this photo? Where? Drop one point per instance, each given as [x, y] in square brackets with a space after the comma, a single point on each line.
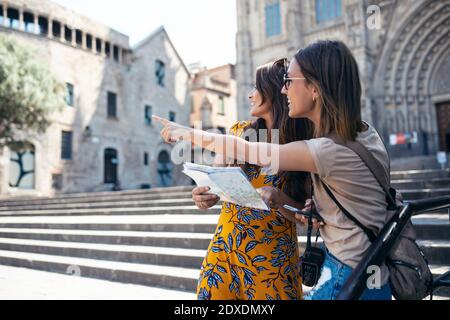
[355, 187]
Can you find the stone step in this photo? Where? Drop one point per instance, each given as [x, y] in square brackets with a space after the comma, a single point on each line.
[432, 226]
[196, 223]
[420, 174]
[125, 272]
[421, 184]
[111, 197]
[159, 206]
[433, 231]
[418, 194]
[199, 241]
[153, 248]
[146, 200]
[189, 209]
[163, 256]
[188, 240]
[436, 251]
[63, 196]
[102, 205]
[181, 239]
[149, 275]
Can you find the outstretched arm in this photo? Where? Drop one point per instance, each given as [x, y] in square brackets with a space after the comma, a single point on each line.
[294, 156]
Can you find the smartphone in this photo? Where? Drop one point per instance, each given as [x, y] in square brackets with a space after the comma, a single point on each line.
[303, 213]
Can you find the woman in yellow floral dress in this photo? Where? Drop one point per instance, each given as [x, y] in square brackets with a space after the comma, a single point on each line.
[254, 253]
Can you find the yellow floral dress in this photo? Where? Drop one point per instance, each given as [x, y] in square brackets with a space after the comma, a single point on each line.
[254, 253]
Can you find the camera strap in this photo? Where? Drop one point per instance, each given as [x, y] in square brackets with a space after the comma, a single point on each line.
[309, 234]
[310, 222]
[370, 234]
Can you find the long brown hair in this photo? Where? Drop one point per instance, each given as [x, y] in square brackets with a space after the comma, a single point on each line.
[332, 69]
[269, 83]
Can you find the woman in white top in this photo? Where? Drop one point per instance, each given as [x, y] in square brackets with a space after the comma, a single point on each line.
[323, 85]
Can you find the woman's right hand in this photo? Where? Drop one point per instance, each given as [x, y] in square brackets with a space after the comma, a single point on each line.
[202, 199]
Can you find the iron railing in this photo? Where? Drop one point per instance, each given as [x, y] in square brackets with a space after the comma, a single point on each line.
[378, 251]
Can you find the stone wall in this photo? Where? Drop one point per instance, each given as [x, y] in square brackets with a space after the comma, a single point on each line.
[130, 75]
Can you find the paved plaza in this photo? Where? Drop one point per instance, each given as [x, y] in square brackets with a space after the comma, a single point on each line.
[27, 284]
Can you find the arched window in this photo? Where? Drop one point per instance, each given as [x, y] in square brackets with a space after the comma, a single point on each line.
[22, 167]
[164, 169]
[111, 163]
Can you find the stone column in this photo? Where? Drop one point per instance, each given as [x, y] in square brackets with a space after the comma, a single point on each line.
[94, 44]
[63, 32]
[74, 37]
[36, 24]
[103, 53]
[5, 15]
[83, 40]
[120, 54]
[21, 20]
[50, 27]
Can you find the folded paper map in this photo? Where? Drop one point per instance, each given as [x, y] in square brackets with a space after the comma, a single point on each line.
[229, 183]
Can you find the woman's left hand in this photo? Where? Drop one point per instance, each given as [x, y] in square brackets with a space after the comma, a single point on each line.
[172, 131]
[272, 196]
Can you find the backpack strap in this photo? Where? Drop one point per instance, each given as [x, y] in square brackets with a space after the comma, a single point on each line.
[370, 234]
[373, 164]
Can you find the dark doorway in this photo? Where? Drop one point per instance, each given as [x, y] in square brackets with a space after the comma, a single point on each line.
[443, 119]
[165, 167]
[111, 165]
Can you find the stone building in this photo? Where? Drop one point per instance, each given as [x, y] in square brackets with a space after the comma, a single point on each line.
[214, 98]
[402, 48]
[104, 138]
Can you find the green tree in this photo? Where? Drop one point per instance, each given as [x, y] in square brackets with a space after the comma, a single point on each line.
[29, 93]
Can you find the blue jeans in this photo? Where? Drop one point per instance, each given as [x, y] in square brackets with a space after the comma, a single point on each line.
[333, 277]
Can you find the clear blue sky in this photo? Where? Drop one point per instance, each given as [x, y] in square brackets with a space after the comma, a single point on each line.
[201, 30]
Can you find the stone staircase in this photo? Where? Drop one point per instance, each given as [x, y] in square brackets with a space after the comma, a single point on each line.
[158, 237]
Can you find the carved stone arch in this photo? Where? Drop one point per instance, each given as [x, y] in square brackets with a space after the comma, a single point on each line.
[392, 53]
[427, 64]
[415, 31]
[433, 30]
[440, 79]
[386, 66]
[436, 62]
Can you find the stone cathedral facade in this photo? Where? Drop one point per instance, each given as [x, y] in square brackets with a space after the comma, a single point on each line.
[402, 48]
